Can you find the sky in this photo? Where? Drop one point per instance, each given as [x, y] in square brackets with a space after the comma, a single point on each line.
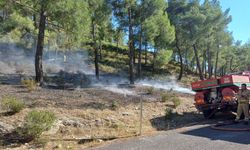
[240, 12]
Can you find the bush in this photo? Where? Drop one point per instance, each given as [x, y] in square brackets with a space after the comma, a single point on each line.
[36, 122]
[176, 100]
[169, 113]
[172, 98]
[12, 105]
[114, 105]
[165, 97]
[150, 90]
[29, 84]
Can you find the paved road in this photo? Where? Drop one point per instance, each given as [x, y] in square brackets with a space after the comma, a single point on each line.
[197, 137]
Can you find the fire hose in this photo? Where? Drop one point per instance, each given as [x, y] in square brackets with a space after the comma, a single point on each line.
[222, 127]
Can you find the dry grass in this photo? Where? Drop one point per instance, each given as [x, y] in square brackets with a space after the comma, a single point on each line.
[84, 106]
[29, 84]
[12, 105]
[150, 90]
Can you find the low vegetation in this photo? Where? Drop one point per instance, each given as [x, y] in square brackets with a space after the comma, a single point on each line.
[29, 84]
[12, 105]
[176, 100]
[36, 122]
[150, 90]
[165, 97]
[169, 113]
[114, 105]
[171, 97]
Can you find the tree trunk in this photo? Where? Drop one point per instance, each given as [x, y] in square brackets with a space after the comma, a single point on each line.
[192, 65]
[34, 21]
[96, 51]
[230, 64]
[225, 68]
[216, 63]
[146, 53]
[100, 47]
[185, 69]
[131, 48]
[198, 62]
[181, 60]
[135, 52]
[209, 63]
[40, 45]
[139, 54]
[117, 46]
[203, 65]
[154, 59]
[212, 67]
[205, 70]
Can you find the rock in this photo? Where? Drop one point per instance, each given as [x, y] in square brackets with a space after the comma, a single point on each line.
[73, 123]
[111, 120]
[125, 113]
[5, 128]
[55, 128]
[98, 122]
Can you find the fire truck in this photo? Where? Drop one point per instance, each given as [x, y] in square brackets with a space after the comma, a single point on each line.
[219, 94]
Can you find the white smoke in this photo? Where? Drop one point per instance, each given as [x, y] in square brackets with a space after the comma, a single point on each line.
[15, 60]
[170, 84]
[112, 83]
[116, 89]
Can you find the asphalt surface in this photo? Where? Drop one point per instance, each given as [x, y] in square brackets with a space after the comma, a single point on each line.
[197, 137]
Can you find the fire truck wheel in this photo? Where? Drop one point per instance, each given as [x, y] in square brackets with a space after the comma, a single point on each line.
[208, 114]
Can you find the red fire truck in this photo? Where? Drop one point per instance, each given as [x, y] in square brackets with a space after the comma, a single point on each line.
[218, 95]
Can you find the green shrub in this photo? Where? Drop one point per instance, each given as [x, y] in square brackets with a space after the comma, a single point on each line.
[165, 97]
[36, 122]
[12, 105]
[150, 90]
[172, 98]
[176, 100]
[114, 105]
[169, 113]
[29, 84]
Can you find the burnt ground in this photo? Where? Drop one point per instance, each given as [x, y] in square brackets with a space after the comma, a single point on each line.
[92, 115]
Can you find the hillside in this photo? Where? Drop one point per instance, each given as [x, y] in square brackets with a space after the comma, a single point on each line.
[90, 116]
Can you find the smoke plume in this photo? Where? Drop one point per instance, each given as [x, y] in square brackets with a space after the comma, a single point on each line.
[73, 67]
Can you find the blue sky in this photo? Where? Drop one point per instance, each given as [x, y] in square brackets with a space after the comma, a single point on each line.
[240, 12]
